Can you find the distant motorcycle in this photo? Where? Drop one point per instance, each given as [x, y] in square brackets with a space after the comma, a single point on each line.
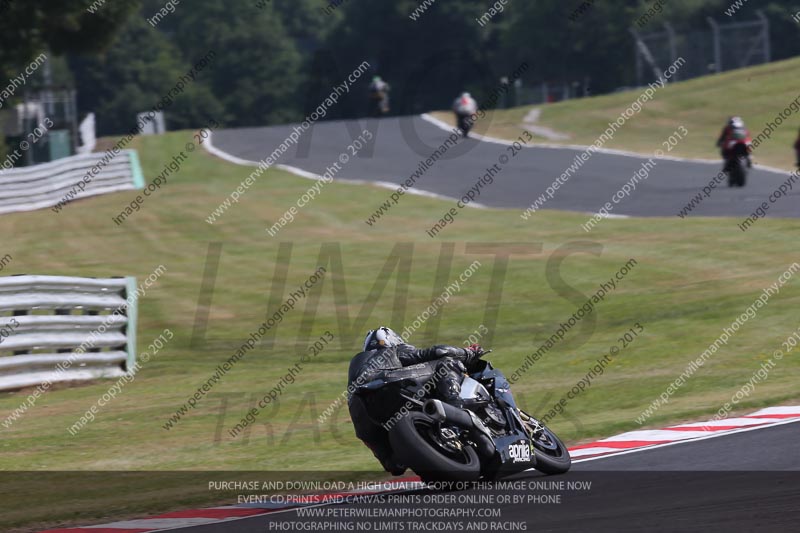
[378, 106]
[483, 438]
[378, 97]
[465, 107]
[737, 161]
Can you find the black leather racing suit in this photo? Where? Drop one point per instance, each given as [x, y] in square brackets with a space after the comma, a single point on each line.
[369, 365]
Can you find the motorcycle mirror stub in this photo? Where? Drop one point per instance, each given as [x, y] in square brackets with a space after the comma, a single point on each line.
[375, 384]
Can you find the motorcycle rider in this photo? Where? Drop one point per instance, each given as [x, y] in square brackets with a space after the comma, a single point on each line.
[797, 149]
[734, 130]
[379, 97]
[465, 108]
[384, 351]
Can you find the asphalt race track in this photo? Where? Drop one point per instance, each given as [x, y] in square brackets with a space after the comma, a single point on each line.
[748, 481]
[757, 450]
[745, 481]
[400, 144]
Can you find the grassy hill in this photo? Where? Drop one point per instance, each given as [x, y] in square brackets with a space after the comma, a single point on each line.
[701, 105]
[692, 278]
[682, 290]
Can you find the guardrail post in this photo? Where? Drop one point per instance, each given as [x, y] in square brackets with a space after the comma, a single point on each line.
[132, 311]
[20, 312]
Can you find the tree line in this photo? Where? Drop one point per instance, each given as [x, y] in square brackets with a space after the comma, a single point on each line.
[277, 59]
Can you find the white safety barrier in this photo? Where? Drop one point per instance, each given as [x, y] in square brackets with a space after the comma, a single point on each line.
[55, 328]
[72, 178]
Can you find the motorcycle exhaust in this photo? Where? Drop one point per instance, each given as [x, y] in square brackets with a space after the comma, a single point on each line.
[444, 412]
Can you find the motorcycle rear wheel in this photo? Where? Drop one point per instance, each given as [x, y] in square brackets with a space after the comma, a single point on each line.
[737, 173]
[417, 444]
[740, 170]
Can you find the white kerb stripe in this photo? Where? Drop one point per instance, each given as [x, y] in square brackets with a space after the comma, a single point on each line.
[155, 523]
[788, 410]
[738, 422]
[655, 435]
[592, 451]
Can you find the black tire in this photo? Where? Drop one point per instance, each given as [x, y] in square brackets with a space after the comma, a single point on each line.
[431, 462]
[552, 456]
[739, 172]
[464, 125]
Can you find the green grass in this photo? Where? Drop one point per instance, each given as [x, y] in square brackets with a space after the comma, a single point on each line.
[701, 105]
[683, 291]
[693, 278]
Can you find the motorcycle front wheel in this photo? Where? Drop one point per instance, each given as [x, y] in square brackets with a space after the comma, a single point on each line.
[552, 456]
[418, 443]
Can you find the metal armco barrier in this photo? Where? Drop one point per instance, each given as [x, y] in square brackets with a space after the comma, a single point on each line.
[54, 183]
[55, 329]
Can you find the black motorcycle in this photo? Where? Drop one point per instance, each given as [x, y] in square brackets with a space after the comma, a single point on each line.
[378, 104]
[485, 438]
[737, 163]
[464, 123]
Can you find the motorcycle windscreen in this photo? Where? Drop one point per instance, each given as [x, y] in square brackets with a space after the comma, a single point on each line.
[473, 390]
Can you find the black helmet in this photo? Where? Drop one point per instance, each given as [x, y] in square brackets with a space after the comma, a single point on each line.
[382, 337]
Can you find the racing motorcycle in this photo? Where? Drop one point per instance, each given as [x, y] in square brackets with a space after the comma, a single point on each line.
[737, 161]
[483, 439]
[378, 103]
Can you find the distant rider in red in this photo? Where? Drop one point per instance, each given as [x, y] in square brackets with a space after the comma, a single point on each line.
[733, 133]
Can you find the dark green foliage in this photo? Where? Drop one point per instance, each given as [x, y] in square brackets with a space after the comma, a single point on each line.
[29, 27]
[278, 59]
